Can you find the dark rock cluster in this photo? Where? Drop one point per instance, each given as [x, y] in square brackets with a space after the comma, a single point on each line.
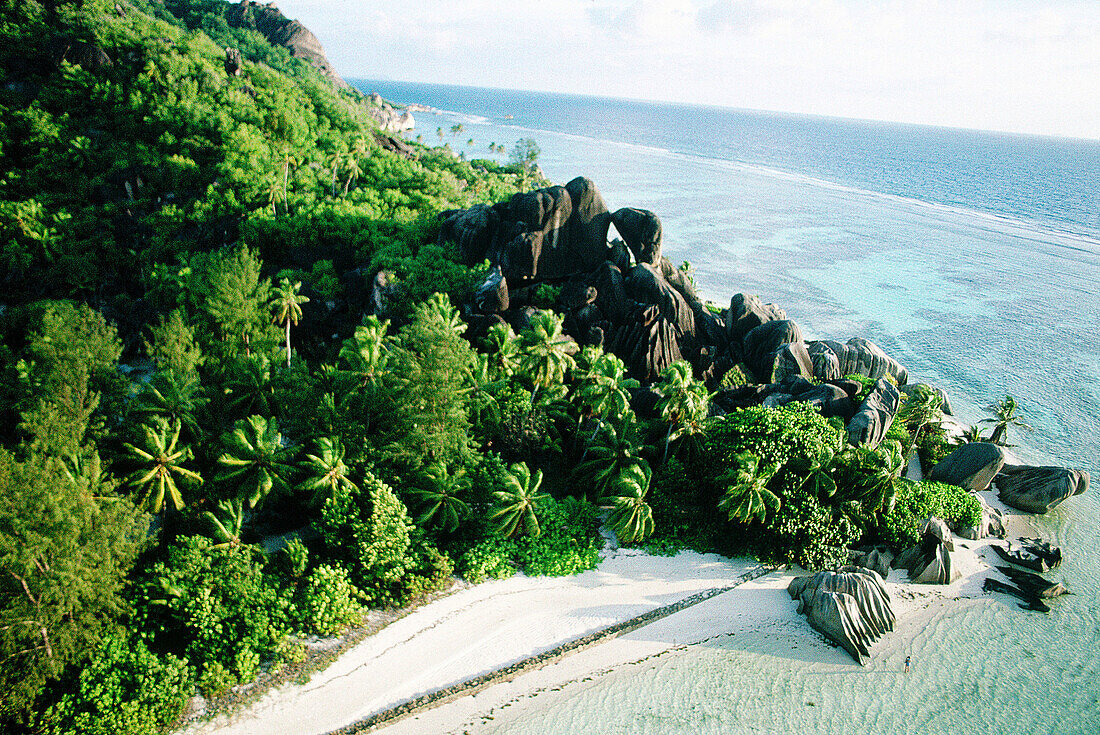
[930, 562]
[627, 297]
[849, 606]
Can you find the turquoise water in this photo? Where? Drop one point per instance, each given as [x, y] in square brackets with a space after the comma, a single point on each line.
[973, 258]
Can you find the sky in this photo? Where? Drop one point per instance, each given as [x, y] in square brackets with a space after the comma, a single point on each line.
[1029, 66]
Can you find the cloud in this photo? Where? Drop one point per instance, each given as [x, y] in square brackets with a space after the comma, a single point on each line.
[1027, 65]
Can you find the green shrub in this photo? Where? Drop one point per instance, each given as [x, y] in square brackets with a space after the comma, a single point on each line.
[808, 534]
[866, 382]
[684, 515]
[775, 435]
[918, 500]
[326, 603]
[570, 541]
[125, 689]
[933, 446]
[491, 558]
[214, 606]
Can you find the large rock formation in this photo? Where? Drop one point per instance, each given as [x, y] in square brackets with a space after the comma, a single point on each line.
[642, 231]
[282, 31]
[972, 466]
[930, 562]
[875, 414]
[992, 524]
[389, 118]
[857, 357]
[849, 606]
[1038, 489]
[745, 314]
[775, 350]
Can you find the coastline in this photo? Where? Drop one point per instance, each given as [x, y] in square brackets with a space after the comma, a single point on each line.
[478, 655]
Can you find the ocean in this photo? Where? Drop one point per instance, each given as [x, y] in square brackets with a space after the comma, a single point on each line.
[972, 257]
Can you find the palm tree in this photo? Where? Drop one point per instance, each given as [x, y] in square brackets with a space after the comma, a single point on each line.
[482, 390]
[249, 387]
[438, 307]
[1004, 415]
[174, 399]
[364, 354]
[437, 494]
[517, 503]
[325, 471]
[971, 435]
[612, 450]
[351, 167]
[602, 388]
[922, 407]
[502, 350]
[334, 161]
[439, 132]
[747, 495]
[631, 518]
[289, 159]
[880, 486]
[273, 190]
[225, 525]
[684, 402]
[819, 478]
[287, 303]
[546, 354]
[162, 462]
[255, 459]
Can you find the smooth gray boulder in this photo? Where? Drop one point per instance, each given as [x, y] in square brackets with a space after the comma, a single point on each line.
[1038, 489]
[745, 314]
[642, 231]
[611, 295]
[878, 560]
[646, 285]
[858, 356]
[991, 525]
[826, 364]
[972, 466]
[471, 230]
[850, 606]
[930, 562]
[775, 350]
[873, 418]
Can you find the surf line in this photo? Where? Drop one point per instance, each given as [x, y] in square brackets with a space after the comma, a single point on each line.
[532, 663]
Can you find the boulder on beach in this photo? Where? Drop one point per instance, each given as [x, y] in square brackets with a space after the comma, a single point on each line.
[877, 559]
[972, 466]
[871, 422]
[849, 606]
[930, 562]
[991, 525]
[1039, 489]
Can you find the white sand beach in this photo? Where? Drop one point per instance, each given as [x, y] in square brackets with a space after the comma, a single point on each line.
[489, 626]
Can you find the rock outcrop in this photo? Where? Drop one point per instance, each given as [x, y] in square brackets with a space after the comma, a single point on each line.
[992, 524]
[857, 357]
[1033, 554]
[877, 559]
[641, 229]
[1039, 489]
[389, 118]
[873, 418]
[1029, 587]
[850, 606]
[282, 31]
[972, 466]
[930, 562]
[775, 350]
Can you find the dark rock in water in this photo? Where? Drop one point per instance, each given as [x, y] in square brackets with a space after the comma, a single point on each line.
[472, 230]
[745, 314]
[1029, 587]
[646, 342]
[775, 350]
[875, 414]
[972, 466]
[992, 524]
[858, 357]
[929, 562]
[1038, 489]
[877, 559]
[646, 285]
[849, 606]
[945, 405]
[1038, 556]
[642, 231]
[611, 296]
[492, 295]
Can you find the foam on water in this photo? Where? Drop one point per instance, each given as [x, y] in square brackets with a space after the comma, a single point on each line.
[967, 281]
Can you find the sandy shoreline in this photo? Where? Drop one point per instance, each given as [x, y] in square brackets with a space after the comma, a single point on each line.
[491, 626]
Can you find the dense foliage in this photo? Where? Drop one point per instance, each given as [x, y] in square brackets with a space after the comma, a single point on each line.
[239, 404]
